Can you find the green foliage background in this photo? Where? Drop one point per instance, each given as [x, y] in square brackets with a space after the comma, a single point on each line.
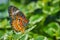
[43, 16]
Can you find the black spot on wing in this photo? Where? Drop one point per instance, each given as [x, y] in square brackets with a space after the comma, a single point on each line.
[9, 8]
[14, 8]
[22, 15]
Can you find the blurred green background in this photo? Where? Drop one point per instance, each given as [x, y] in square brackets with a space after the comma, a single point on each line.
[43, 16]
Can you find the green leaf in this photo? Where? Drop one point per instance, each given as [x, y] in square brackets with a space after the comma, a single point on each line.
[36, 18]
[51, 29]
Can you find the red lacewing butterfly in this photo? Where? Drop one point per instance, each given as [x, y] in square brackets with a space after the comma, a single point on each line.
[18, 20]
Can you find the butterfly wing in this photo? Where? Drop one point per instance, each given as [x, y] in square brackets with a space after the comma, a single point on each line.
[18, 20]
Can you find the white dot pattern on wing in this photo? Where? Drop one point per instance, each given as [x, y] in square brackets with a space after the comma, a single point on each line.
[14, 13]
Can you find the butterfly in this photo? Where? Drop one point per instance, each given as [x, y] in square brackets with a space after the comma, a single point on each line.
[17, 19]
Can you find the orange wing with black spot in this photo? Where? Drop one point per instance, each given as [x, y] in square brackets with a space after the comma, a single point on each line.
[18, 19]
